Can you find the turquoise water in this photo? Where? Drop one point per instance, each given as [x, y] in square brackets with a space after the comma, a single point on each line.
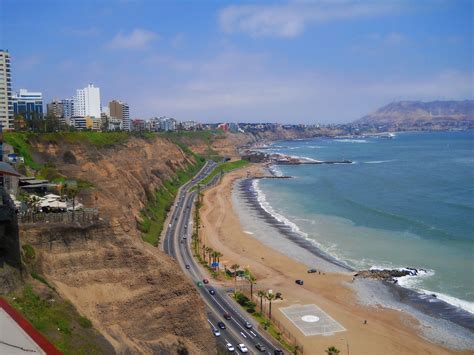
[405, 202]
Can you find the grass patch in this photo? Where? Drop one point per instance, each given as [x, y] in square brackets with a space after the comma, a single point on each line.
[224, 168]
[28, 252]
[84, 322]
[154, 214]
[19, 141]
[266, 323]
[57, 320]
[41, 279]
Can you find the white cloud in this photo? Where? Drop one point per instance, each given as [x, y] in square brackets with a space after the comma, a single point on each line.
[242, 86]
[137, 39]
[290, 19]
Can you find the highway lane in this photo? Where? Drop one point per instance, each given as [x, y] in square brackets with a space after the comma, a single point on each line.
[219, 302]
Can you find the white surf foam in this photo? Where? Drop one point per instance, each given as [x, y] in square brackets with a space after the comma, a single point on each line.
[262, 199]
[378, 161]
[352, 140]
[413, 282]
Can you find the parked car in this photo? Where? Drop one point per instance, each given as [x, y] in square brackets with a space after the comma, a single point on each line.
[230, 347]
[227, 316]
[206, 281]
[248, 325]
[260, 347]
[221, 325]
[299, 282]
[243, 348]
[312, 271]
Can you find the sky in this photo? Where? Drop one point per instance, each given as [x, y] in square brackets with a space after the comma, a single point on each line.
[248, 61]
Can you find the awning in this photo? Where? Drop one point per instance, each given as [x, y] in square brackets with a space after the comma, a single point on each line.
[7, 169]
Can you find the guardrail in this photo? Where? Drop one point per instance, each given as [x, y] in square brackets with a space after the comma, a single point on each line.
[84, 217]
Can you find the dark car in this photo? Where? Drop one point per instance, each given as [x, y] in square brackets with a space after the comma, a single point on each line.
[312, 271]
[188, 267]
[260, 347]
[299, 282]
[221, 325]
[227, 316]
[248, 325]
[212, 291]
[278, 352]
[206, 281]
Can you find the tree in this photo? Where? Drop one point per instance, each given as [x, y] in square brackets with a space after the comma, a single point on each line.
[252, 281]
[235, 267]
[209, 251]
[261, 294]
[332, 350]
[70, 189]
[218, 257]
[270, 297]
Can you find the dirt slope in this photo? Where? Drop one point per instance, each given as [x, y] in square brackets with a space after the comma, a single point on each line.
[133, 293]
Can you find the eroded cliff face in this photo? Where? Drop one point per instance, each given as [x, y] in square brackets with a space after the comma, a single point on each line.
[134, 294]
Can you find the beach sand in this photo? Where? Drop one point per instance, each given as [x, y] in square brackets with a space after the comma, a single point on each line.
[387, 331]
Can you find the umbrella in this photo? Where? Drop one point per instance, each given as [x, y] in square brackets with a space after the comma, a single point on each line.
[7, 169]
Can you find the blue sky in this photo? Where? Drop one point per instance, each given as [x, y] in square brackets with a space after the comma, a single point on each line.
[284, 61]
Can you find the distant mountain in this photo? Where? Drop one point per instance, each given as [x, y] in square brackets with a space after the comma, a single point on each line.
[418, 114]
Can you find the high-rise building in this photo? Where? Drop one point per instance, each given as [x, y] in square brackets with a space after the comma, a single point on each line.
[68, 108]
[55, 109]
[87, 102]
[120, 110]
[29, 104]
[6, 104]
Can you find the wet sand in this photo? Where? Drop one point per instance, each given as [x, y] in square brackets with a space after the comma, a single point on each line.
[265, 253]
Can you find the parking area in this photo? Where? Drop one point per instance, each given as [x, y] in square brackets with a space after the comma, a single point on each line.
[311, 320]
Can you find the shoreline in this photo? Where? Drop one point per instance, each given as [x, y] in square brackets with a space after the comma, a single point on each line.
[334, 292]
[424, 303]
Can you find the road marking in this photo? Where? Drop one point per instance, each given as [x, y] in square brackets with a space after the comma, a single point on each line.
[212, 325]
[243, 335]
[253, 334]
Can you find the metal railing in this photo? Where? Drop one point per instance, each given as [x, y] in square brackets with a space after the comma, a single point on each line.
[84, 217]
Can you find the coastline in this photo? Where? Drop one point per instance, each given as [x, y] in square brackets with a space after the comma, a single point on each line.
[271, 256]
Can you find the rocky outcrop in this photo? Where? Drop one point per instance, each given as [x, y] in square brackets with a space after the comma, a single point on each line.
[133, 293]
[387, 275]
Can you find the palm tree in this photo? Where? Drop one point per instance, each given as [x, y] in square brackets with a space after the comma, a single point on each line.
[332, 350]
[235, 267]
[270, 296]
[261, 294]
[218, 257]
[209, 251]
[252, 281]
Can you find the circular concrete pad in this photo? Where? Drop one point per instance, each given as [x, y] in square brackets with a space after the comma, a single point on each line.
[310, 319]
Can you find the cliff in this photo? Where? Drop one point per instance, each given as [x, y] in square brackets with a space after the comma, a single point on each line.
[133, 293]
[407, 114]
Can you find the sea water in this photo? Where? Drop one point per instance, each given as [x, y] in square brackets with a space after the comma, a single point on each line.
[403, 202]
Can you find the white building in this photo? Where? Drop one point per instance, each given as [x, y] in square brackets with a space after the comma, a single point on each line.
[6, 103]
[87, 102]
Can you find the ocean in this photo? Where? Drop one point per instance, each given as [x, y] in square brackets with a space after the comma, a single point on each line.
[404, 202]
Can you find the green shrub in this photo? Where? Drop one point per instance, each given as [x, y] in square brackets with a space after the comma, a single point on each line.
[84, 322]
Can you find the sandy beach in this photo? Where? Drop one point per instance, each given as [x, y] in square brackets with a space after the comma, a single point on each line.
[387, 331]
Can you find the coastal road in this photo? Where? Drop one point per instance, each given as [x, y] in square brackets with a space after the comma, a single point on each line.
[177, 243]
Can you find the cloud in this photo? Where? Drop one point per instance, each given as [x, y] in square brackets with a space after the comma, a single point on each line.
[220, 88]
[137, 39]
[290, 20]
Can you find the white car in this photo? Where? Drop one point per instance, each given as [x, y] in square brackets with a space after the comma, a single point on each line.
[216, 332]
[243, 348]
[230, 347]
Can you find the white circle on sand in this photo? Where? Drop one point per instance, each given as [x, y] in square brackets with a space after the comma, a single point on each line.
[310, 319]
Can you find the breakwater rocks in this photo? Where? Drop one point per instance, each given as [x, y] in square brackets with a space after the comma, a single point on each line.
[388, 275]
